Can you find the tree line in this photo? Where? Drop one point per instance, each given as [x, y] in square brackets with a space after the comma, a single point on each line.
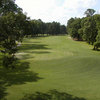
[40, 28]
[86, 28]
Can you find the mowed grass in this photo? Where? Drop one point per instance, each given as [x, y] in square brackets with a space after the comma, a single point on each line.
[54, 62]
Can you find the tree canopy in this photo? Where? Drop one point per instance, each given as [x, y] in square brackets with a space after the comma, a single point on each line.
[86, 28]
[89, 12]
[12, 23]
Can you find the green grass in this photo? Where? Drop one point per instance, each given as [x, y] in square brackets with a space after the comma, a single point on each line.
[54, 62]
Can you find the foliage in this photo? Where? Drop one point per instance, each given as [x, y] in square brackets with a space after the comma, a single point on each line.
[97, 43]
[73, 27]
[97, 20]
[9, 61]
[12, 29]
[86, 28]
[89, 12]
[7, 6]
[98, 36]
[89, 29]
[38, 27]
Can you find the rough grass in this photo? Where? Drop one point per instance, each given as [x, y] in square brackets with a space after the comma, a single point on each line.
[55, 62]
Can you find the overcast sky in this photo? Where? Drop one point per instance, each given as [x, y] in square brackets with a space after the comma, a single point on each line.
[57, 10]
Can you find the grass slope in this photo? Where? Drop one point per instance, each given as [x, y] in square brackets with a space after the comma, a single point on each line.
[55, 62]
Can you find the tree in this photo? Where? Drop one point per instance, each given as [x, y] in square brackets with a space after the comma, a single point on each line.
[97, 20]
[38, 27]
[97, 43]
[73, 26]
[89, 30]
[89, 12]
[11, 32]
[7, 6]
[63, 29]
[69, 25]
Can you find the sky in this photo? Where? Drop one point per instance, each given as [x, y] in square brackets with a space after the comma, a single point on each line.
[57, 10]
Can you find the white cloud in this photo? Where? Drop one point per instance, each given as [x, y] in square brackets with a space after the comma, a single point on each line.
[52, 10]
[98, 12]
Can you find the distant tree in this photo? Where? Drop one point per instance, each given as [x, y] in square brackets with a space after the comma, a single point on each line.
[63, 29]
[41, 27]
[69, 25]
[89, 12]
[48, 28]
[38, 27]
[54, 28]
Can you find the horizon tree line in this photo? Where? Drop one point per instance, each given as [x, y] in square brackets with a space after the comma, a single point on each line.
[40, 28]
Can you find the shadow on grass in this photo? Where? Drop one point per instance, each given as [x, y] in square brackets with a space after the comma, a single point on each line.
[2, 92]
[96, 50]
[29, 54]
[38, 52]
[40, 36]
[32, 46]
[51, 95]
[17, 76]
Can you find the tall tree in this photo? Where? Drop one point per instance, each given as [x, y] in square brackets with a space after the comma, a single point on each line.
[63, 29]
[11, 32]
[88, 25]
[89, 12]
[73, 26]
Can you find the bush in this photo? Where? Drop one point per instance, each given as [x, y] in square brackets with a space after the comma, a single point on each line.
[9, 61]
[96, 45]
